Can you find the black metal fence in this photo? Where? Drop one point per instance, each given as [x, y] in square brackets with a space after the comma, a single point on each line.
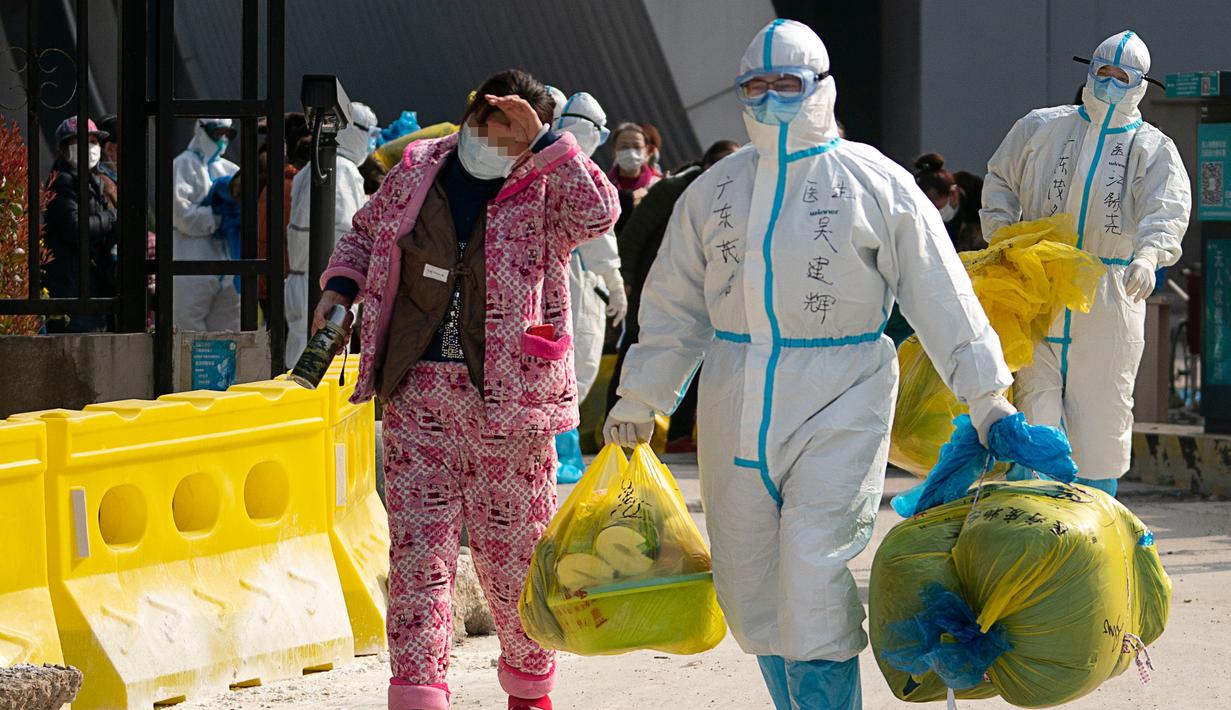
[147, 91]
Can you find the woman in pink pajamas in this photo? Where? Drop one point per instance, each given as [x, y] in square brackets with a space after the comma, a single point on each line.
[461, 259]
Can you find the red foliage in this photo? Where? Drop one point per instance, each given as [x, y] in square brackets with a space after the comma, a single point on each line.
[14, 263]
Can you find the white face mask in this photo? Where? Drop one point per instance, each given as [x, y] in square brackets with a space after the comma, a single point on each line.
[630, 159]
[480, 159]
[96, 154]
[948, 212]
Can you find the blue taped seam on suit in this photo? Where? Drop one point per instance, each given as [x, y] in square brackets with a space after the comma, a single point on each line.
[560, 121]
[868, 337]
[1081, 223]
[1104, 131]
[768, 58]
[1120, 49]
[732, 337]
[814, 150]
[767, 402]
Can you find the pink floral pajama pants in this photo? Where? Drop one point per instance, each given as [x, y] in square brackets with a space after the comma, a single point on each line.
[442, 469]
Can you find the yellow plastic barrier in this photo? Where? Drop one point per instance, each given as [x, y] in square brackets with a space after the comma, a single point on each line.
[188, 544]
[358, 525]
[27, 622]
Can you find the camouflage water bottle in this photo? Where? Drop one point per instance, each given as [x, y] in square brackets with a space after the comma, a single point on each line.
[322, 347]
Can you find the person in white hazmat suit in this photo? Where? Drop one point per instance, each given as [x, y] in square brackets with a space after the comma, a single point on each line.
[1125, 184]
[349, 197]
[778, 268]
[202, 303]
[595, 261]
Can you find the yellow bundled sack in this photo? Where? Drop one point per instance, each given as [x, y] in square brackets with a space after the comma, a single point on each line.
[622, 566]
[1038, 592]
[390, 153]
[1029, 272]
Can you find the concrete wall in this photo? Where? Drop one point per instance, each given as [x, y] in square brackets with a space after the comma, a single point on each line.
[702, 41]
[71, 371]
[983, 65]
[958, 73]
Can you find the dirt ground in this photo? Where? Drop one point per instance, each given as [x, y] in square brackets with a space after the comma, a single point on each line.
[1194, 537]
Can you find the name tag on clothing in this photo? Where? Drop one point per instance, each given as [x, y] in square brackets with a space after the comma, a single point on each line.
[435, 272]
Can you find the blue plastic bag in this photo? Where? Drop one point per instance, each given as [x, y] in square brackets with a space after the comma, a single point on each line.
[944, 638]
[963, 460]
[405, 124]
[568, 451]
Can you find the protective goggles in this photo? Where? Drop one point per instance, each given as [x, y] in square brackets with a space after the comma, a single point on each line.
[1135, 76]
[789, 84]
[603, 132]
[217, 130]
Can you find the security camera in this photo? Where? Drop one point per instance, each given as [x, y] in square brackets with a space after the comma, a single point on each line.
[322, 95]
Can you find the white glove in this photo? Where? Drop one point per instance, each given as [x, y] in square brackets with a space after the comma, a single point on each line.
[986, 411]
[617, 299]
[629, 423]
[1139, 279]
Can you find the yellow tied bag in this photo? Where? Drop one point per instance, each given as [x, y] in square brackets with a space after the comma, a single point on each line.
[1027, 275]
[1069, 577]
[622, 566]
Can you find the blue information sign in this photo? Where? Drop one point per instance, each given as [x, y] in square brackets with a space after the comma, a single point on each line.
[213, 364]
[1213, 168]
[1193, 84]
[1217, 330]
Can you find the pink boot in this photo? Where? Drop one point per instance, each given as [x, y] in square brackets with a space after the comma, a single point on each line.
[404, 695]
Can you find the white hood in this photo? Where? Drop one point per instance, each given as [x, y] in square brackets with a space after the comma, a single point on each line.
[202, 144]
[353, 140]
[573, 118]
[787, 43]
[558, 100]
[1121, 49]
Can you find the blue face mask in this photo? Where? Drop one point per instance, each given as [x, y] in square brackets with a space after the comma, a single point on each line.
[222, 144]
[1108, 90]
[773, 110]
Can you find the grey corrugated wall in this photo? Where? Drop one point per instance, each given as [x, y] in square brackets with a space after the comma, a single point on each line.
[427, 56]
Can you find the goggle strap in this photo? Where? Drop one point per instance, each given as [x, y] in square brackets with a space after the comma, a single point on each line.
[1144, 77]
[584, 118]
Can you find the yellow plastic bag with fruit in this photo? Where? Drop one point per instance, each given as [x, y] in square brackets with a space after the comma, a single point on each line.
[622, 566]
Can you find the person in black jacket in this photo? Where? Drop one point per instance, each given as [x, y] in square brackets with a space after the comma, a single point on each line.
[639, 242]
[61, 276]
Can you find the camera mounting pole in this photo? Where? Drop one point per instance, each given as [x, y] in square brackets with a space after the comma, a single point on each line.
[328, 111]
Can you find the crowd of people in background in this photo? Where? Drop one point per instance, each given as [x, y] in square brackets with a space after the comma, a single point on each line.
[207, 221]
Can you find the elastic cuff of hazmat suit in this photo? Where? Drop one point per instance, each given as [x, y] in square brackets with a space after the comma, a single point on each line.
[630, 410]
[986, 406]
[612, 279]
[1149, 255]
